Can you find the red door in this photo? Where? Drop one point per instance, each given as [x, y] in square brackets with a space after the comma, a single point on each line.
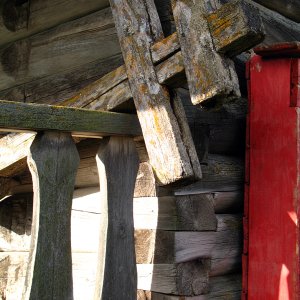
[271, 250]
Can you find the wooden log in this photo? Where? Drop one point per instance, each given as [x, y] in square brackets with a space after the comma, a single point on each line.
[152, 101]
[187, 279]
[14, 150]
[221, 288]
[19, 19]
[117, 162]
[63, 47]
[223, 247]
[23, 116]
[238, 14]
[53, 161]
[209, 75]
[289, 8]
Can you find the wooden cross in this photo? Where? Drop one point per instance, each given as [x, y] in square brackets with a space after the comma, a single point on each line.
[210, 75]
[230, 30]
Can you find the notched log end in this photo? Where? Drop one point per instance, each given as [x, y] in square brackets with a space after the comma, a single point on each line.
[236, 27]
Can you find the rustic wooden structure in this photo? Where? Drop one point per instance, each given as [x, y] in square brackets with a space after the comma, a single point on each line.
[187, 239]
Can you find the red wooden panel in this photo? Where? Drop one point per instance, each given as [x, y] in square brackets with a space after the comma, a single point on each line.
[273, 263]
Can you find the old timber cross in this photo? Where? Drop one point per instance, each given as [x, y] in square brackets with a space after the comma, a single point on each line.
[153, 62]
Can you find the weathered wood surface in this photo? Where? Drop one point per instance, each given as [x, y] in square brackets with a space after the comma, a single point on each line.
[61, 48]
[288, 8]
[223, 247]
[21, 19]
[209, 75]
[241, 18]
[13, 152]
[160, 128]
[187, 279]
[24, 116]
[117, 162]
[220, 288]
[53, 162]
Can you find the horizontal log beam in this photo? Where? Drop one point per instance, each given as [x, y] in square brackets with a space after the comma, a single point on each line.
[288, 8]
[18, 21]
[39, 117]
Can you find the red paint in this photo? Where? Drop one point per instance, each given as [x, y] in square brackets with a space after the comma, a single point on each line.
[271, 254]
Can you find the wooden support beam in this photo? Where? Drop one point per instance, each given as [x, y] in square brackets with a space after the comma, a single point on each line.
[229, 286]
[117, 162]
[186, 279]
[20, 19]
[235, 25]
[39, 117]
[288, 8]
[53, 162]
[223, 247]
[167, 151]
[210, 76]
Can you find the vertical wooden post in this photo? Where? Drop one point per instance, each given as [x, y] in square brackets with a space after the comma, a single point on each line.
[53, 161]
[117, 162]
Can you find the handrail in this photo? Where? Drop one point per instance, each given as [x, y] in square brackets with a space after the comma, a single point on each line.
[53, 161]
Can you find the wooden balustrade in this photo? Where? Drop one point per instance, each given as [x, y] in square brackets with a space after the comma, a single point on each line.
[53, 160]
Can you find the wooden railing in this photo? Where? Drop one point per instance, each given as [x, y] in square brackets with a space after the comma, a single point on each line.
[53, 162]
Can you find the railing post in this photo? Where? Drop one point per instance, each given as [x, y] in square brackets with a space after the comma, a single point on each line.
[117, 162]
[53, 161]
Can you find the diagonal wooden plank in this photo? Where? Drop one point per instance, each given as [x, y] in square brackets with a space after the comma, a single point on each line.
[138, 27]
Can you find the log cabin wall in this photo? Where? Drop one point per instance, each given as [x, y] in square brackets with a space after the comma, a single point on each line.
[188, 240]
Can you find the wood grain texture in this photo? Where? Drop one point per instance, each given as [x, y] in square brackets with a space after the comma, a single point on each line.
[138, 28]
[117, 162]
[289, 8]
[234, 26]
[23, 116]
[223, 247]
[21, 19]
[61, 48]
[186, 279]
[209, 75]
[53, 162]
[220, 288]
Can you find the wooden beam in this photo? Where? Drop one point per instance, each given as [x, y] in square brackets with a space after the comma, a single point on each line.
[223, 247]
[229, 286]
[21, 19]
[167, 152]
[53, 162]
[39, 117]
[288, 8]
[210, 76]
[64, 47]
[186, 279]
[14, 150]
[117, 162]
[224, 22]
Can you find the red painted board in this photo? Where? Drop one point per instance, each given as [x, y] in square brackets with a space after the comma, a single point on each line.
[274, 139]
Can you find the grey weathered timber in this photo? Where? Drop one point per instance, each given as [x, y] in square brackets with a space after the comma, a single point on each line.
[288, 8]
[117, 162]
[186, 279]
[210, 76]
[53, 162]
[38, 117]
[21, 19]
[14, 149]
[220, 288]
[223, 247]
[138, 27]
[61, 48]
[235, 25]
